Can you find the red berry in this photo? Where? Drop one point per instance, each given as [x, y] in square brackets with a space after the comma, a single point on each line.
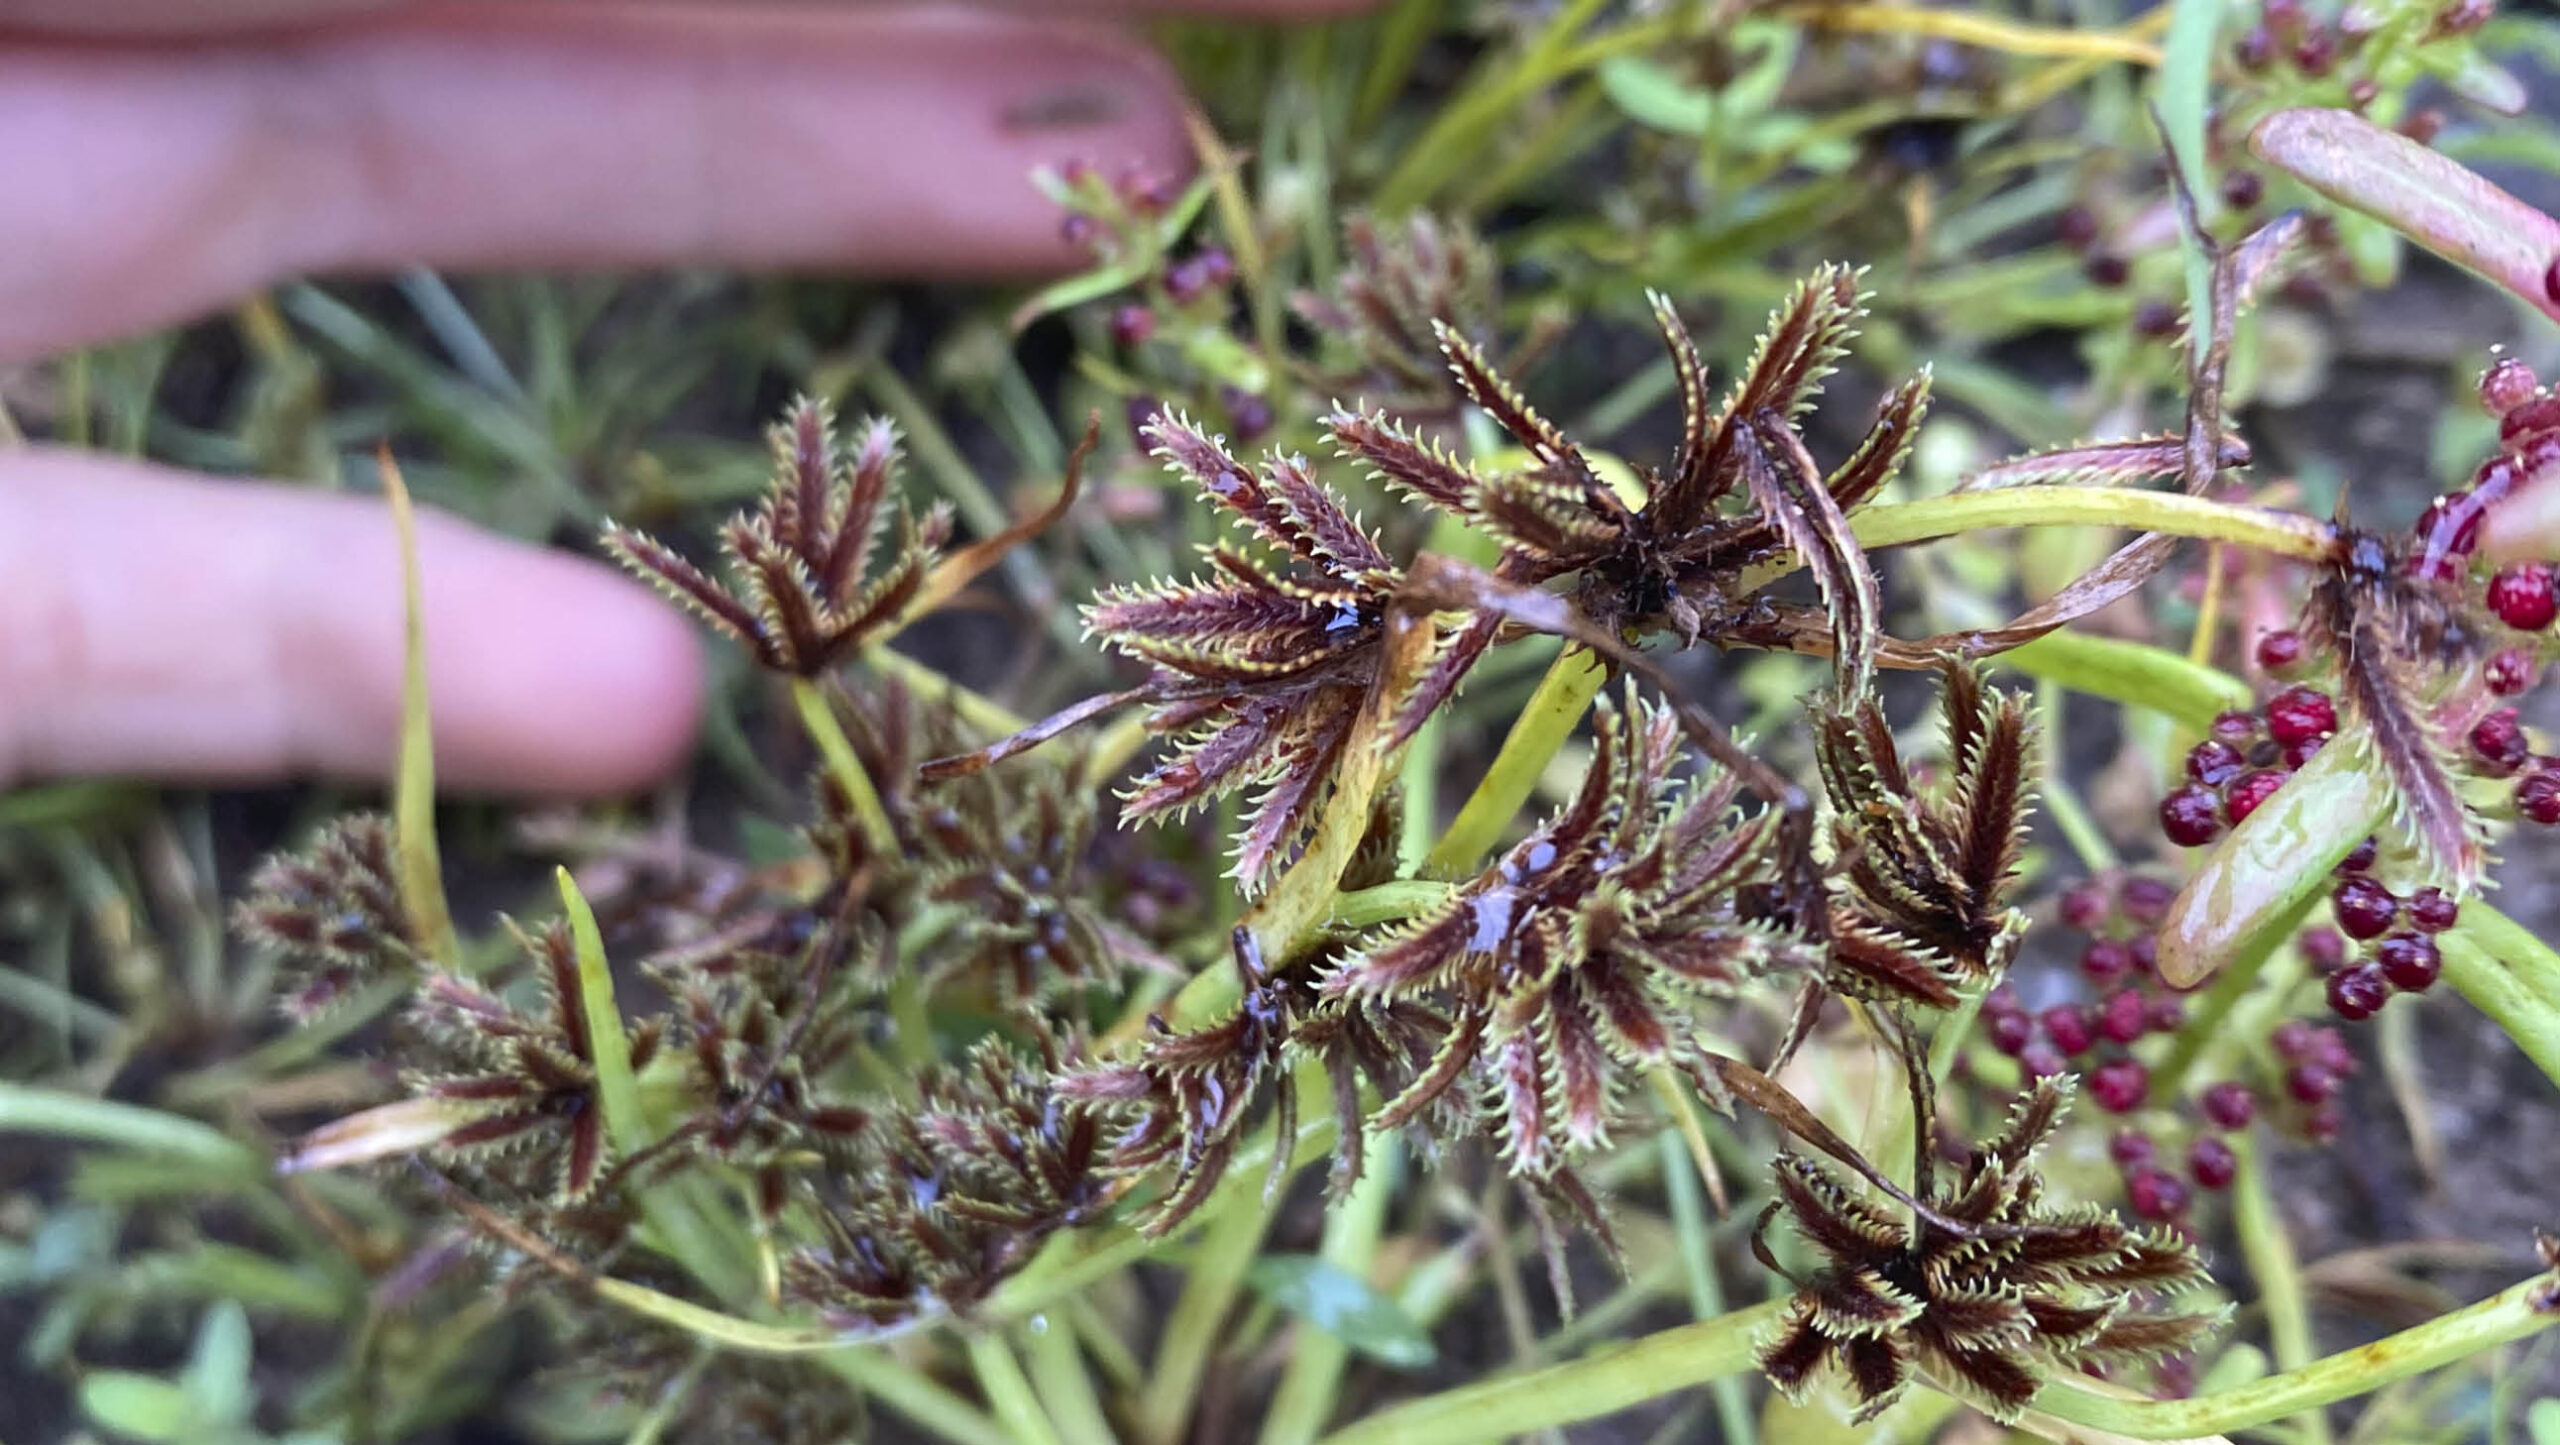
[2316, 52]
[2298, 753]
[2323, 1125]
[2236, 728]
[2230, 1105]
[2067, 1025]
[2156, 1196]
[2329, 1050]
[2280, 652]
[2105, 961]
[2538, 797]
[2292, 1040]
[2449, 529]
[1079, 229]
[2085, 905]
[1131, 325]
[2146, 901]
[2538, 415]
[2361, 856]
[2432, 910]
[2409, 961]
[2042, 1060]
[2358, 993]
[2168, 1014]
[2255, 50]
[2242, 189]
[2214, 762]
[1250, 414]
[2012, 1032]
[2131, 1149]
[2522, 596]
[2324, 948]
[2498, 740]
[2119, 1084]
[2126, 1016]
[2506, 385]
[2107, 270]
[2311, 1083]
[2423, 126]
[2300, 713]
[2076, 227]
[2249, 790]
[2211, 1163]
[2191, 816]
[2146, 952]
[2510, 672]
[2364, 908]
[2155, 319]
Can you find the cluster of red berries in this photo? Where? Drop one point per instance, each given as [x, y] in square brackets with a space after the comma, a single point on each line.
[2317, 1062]
[2129, 1000]
[2394, 936]
[2286, 35]
[2246, 756]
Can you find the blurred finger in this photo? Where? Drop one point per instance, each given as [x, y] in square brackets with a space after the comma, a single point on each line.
[150, 182]
[200, 17]
[168, 626]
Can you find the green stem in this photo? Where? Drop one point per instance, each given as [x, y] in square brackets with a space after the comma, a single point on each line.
[2489, 983]
[918, 1398]
[2268, 1249]
[1600, 1383]
[2060, 798]
[2134, 673]
[2512, 1314]
[818, 717]
[1009, 1391]
[1065, 1385]
[1309, 1388]
[1191, 1335]
[985, 714]
[2532, 962]
[2267, 529]
[1706, 1290]
[1386, 903]
[1563, 696]
[2209, 1023]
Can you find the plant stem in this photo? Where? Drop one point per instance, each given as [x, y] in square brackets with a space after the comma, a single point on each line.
[1065, 1385]
[1600, 1383]
[1563, 696]
[2512, 1314]
[2269, 1251]
[2267, 529]
[28, 1110]
[1706, 1291]
[1191, 1335]
[913, 1395]
[976, 709]
[2489, 983]
[1386, 903]
[1309, 1388]
[1009, 1390]
[818, 717]
[2134, 673]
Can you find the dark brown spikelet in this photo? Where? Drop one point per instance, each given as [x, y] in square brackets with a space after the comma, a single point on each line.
[1397, 280]
[1920, 901]
[1591, 951]
[526, 1075]
[1008, 857]
[332, 914]
[802, 593]
[1261, 672]
[2020, 1290]
[1187, 1097]
[954, 1192]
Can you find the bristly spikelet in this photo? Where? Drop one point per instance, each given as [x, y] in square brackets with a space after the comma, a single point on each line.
[1397, 282]
[802, 595]
[2020, 1290]
[332, 913]
[1588, 953]
[1920, 903]
[1261, 671]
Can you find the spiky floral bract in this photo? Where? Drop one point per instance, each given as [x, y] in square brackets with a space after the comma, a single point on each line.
[1188, 1097]
[1261, 672]
[954, 1191]
[1920, 896]
[1398, 281]
[802, 594]
[2027, 1287]
[525, 1076]
[332, 913]
[1593, 949]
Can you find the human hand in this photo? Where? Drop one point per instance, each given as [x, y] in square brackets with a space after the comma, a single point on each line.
[165, 156]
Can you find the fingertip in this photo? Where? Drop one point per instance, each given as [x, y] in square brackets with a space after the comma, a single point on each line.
[2526, 526]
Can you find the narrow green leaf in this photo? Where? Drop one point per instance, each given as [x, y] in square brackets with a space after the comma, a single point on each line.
[141, 1407]
[217, 1377]
[2544, 1421]
[1651, 95]
[1343, 1305]
[413, 794]
[624, 1122]
[2186, 76]
[2134, 673]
